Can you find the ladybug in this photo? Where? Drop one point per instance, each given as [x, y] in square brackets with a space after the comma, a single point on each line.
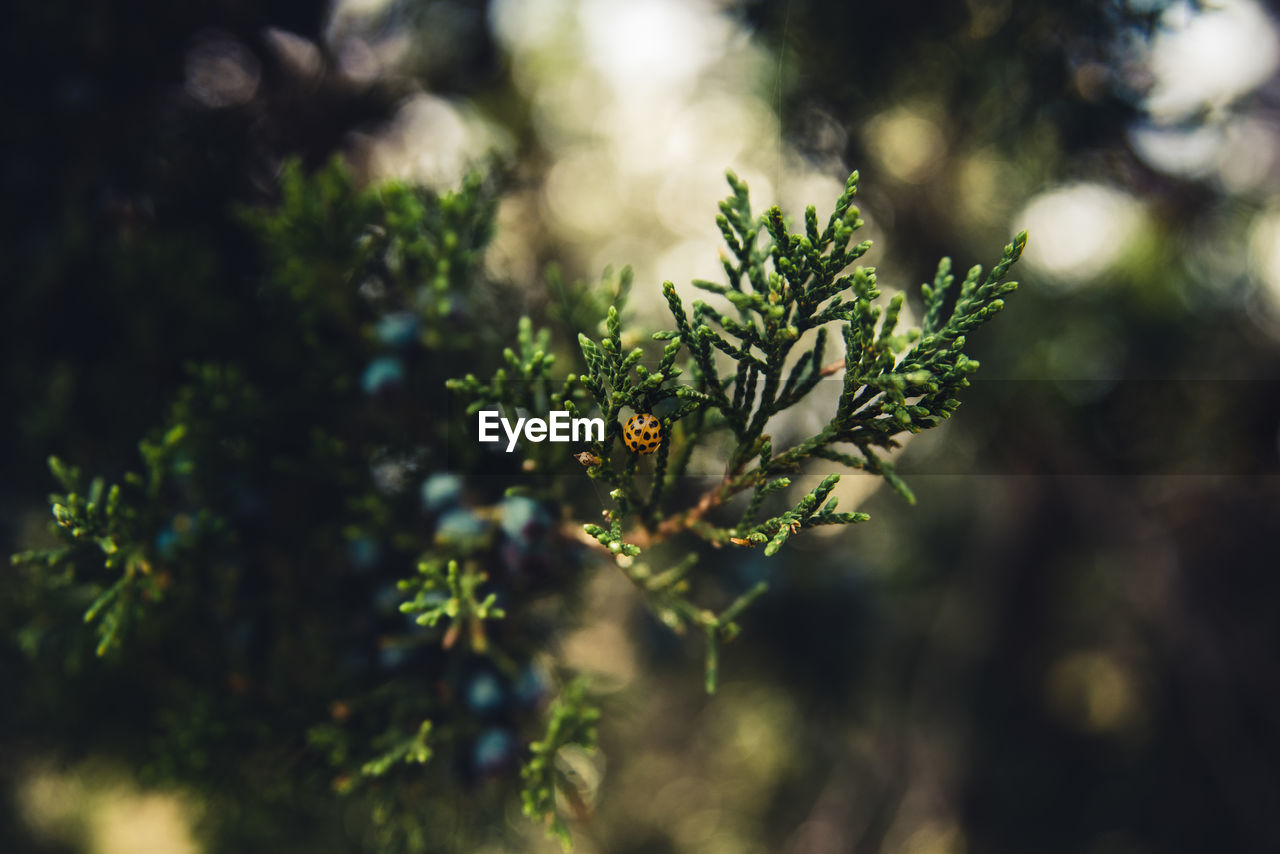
[643, 433]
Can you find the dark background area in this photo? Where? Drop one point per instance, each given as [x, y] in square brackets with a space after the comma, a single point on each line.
[1067, 646]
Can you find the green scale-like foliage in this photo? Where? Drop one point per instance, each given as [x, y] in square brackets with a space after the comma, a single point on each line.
[783, 291]
[259, 572]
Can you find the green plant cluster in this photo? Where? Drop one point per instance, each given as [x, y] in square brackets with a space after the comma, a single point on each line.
[119, 538]
[259, 570]
[784, 291]
[451, 594]
[253, 575]
[571, 723]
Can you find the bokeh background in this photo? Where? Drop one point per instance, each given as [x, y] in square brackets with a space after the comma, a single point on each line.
[1068, 645]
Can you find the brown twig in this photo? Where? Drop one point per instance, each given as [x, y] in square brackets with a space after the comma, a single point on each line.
[645, 537]
[711, 498]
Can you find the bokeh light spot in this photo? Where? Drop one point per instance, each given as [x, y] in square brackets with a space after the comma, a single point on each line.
[1264, 258]
[221, 72]
[1080, 230]
[1093, 692]
[1205, 59]
[907, 143]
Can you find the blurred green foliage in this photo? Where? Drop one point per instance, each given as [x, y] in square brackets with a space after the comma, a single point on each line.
[1066, 646]
[243, 587]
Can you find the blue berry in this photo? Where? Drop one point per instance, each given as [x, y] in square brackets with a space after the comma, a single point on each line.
[484, 693]
[166, 543]
[363, 552]
[531, 686]
[459, 525]
[440, 491]
[525, 521]
[397, 328]
[494, 750]
[382, 374]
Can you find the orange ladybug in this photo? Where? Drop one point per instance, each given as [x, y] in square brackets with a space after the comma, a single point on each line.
[643, 433]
